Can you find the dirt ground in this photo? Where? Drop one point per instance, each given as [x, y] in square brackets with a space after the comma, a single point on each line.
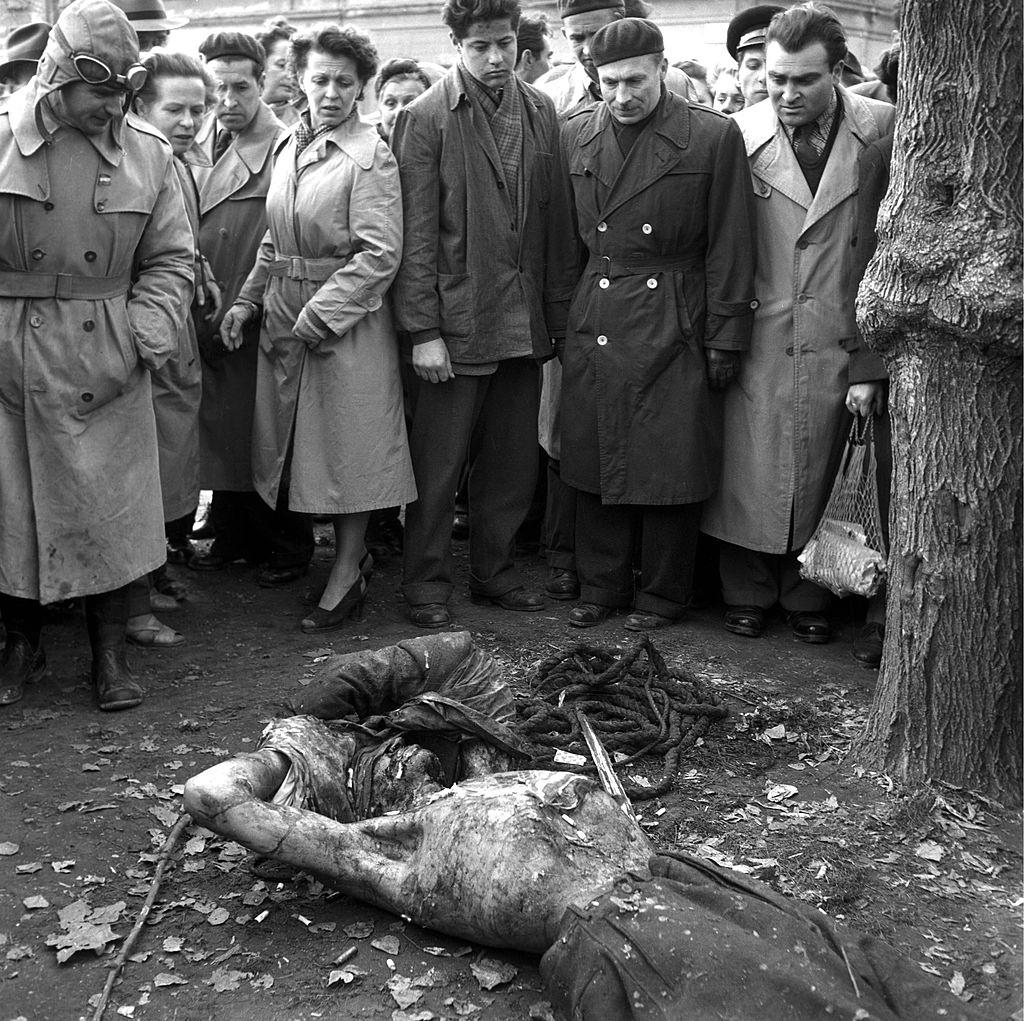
[87, 799]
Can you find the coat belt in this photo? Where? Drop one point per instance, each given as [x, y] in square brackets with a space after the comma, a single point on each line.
[625, 266]
[315, 270]
[15, 283]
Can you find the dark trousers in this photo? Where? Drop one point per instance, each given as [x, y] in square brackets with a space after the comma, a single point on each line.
[248, 527]
[492, 422]
[560, 520]
[663, 539]
[750, 578]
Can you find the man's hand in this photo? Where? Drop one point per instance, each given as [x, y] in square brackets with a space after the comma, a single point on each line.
[212, 299]
[430, 361]
[866, 399]
[231, 325]
[722, 368]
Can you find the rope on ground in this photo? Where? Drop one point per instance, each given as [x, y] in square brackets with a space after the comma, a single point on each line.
[638, 706]
[165, 856]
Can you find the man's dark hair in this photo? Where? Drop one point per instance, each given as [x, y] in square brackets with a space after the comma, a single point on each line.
[533, 30]
[458, 15]
[162, 64]
[806, 24]
[338, 42]
[275, 30]
[400, 67]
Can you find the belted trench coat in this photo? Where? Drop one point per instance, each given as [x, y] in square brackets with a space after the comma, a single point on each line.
[668, 231]
[329, 397]
[785, 419]
[232, 222]
[80, 509]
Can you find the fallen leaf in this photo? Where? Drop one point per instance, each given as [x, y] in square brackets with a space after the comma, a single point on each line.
[164, 814]
[90, 767]
[36, 902]
[166, 978]
[957, 984]
[195, 845]
[490, 973]
[173, 944]
[109, 914]
[263, 981]
[416, 1015]
[126, 1010]
[542, 1011]
[80, 936]
[7, 848]
[344, 975]
[930, 851]
[32, 866]
[224, 981]
[218, 916]
[386, 944]
[402, 991]
[358, 930]
[19, 952]
[777, 733]
[63, 866]
[780, 792]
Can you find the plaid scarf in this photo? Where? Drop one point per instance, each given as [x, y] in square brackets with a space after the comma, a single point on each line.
[306, 134]
[504, 114]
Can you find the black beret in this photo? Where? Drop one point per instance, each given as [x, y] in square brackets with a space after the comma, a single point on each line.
[233, 44]
[628, 37]
[567, 8]
[748, 28]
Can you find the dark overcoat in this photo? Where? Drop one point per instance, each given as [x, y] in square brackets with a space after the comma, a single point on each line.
[478, 270]
[668, 232]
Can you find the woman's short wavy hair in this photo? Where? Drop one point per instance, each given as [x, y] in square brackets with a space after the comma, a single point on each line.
[337, 42]
[401, 68]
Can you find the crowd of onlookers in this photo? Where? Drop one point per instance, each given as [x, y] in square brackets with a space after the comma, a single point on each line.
[566, 303]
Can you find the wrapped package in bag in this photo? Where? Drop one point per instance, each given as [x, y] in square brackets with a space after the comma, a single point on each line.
[847, 552]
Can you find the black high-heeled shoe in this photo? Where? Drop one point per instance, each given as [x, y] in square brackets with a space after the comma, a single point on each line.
[349, 607]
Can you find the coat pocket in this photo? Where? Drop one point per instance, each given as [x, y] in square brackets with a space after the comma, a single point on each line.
[107, 366]
[455, 300]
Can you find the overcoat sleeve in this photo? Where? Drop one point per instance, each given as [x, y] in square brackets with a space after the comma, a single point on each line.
[375, 226]
[561, 268]
[163, 281]
[732, 247]
[256, 282]
[417, 149]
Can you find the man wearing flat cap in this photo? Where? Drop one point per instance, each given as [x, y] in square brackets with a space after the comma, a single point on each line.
[745, 42]
[20, 55]
[659, 320]
[96, 277]
[238, 139]
[578, 86]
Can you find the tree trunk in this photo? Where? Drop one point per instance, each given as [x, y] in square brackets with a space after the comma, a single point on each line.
[942, 303]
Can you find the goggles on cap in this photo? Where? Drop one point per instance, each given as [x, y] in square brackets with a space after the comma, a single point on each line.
[95, 72]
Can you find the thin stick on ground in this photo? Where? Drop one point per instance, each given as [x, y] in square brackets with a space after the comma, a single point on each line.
[165, 856]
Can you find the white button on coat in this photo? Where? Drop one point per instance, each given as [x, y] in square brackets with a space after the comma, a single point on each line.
[602, 226]
[604, 283]
[652, 282]
[602, 340]
[647, 228]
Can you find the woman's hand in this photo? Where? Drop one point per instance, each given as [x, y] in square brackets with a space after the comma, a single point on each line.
[231, 325]
[431, 363]
[866, 399]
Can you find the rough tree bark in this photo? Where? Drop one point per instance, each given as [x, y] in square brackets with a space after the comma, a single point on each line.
[942, 302]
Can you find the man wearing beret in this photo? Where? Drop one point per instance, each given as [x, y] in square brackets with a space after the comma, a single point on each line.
[745, 42]
[578, 85]
[96, 277]
[787, 420]
[238, 140]
[659, 320]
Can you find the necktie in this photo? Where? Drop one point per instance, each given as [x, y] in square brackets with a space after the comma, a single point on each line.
[806, 153]
[220, 146]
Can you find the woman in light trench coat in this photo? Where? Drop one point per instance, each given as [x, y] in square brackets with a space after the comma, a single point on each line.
[328, 422]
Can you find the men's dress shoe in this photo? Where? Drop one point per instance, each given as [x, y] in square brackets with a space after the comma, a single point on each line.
[271, 577]
[589, 614]
[812, 628]
[19, 665]
[180, 553]
[644, 620]
[562, 584]
[430, 615]
[521, 599]
[745, 620]
[867, 645]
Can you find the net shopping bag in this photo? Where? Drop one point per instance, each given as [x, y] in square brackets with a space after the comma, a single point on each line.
[847, 553]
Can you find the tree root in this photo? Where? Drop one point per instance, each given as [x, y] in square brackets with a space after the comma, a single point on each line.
[154, 887]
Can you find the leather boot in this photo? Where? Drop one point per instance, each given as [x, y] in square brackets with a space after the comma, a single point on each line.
[22, 659]
[106, 616]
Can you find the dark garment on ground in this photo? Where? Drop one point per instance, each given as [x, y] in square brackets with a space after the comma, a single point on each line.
[662, 541]
[693, 942]
[493, 420]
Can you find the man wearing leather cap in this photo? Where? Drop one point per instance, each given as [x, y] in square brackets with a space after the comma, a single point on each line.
[238, 138]
[745, 42]
[95, 279]
[658, 322]
[20, 56]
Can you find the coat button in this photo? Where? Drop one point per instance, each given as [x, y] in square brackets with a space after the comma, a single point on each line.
[755, 304]
[48, 206]
[88, 326]
[87, 397]
[604, 283]
[801, 245]
[652, 282]
[90, 256]
[602, 340]
[223, 232]
[801, 298]
[36, 321]
[101, 205]
[38, 254]
[602, 226]
[647, 228]
[789, 351]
